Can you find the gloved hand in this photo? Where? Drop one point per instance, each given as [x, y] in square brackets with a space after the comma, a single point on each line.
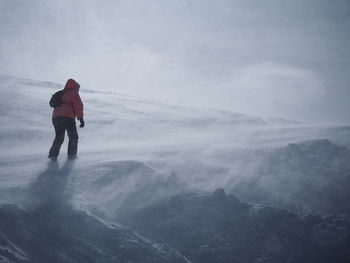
[82, 123]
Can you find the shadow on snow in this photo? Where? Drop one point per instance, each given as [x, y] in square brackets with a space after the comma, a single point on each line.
[50, 186]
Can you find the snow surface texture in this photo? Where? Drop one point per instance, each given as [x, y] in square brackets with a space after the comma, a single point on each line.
[134, 154]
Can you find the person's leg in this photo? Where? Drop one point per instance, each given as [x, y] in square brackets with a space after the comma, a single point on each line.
[73, 139]
[59, 138]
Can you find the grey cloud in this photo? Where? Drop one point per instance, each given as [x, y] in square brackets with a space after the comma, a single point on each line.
[189, 51]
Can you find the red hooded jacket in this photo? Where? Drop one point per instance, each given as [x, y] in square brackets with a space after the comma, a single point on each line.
[72, 106]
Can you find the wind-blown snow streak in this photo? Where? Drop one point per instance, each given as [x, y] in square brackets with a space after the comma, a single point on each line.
[205, 148]
[10, 249]
[116, 226]
[135, 153]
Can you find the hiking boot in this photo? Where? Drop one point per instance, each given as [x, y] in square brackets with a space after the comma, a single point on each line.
[72, 158]
[53, 158]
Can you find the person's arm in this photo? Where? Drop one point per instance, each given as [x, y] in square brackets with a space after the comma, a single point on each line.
[78, 108]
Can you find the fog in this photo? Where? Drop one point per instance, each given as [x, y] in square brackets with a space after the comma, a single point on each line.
[137, 156]
[130, 142]
[286, 59]
[215, 131]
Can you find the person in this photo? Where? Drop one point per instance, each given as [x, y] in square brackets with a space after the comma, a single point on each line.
[63, 119]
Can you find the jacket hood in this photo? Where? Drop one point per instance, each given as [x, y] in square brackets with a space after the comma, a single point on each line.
[71, 84]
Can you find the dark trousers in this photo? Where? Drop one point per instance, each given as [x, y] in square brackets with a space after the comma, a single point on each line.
[61, 125]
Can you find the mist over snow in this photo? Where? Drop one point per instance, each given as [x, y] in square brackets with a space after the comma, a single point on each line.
[215, 131]
[287, 59]
[141, 160]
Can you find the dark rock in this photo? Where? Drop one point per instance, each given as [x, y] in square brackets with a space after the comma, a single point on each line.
[219, 194]
[220, 228]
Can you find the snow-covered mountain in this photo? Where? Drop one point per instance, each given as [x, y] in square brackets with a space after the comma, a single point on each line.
[144, 178]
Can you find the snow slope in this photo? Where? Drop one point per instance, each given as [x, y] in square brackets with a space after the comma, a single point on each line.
[135, 153]
[204, 148]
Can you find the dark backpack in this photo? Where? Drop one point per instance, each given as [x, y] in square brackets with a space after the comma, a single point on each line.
[56, 99]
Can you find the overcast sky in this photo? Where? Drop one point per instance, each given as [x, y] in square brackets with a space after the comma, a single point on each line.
[278, 58]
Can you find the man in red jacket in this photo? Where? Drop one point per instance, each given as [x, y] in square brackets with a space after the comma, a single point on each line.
[63, 119]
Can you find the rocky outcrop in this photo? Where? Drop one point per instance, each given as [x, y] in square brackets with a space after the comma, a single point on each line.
[313, 176]
[62, 234]
[220, 228]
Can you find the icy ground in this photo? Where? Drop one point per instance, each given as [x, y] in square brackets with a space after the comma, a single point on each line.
[135, 154]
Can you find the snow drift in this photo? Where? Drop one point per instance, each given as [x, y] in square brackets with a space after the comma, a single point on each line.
[144, 186]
